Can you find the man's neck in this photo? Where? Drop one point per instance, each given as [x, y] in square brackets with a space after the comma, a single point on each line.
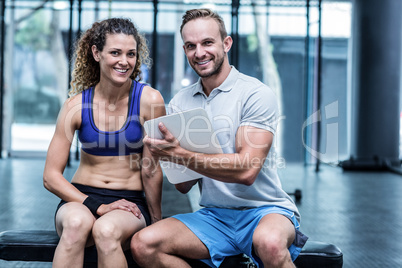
[212, 82]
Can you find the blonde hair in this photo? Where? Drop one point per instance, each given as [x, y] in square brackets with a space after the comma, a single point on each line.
[86, 71]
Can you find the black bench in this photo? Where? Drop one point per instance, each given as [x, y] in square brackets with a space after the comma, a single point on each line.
[39, 245]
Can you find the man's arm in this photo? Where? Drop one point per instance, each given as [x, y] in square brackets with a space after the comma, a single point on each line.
[243, 166]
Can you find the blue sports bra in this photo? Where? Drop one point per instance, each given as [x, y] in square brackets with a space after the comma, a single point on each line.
[125, 141]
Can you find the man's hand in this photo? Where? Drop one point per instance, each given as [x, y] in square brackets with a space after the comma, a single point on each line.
[163, 148]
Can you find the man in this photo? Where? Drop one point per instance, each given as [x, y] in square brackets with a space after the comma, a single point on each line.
[245, 209]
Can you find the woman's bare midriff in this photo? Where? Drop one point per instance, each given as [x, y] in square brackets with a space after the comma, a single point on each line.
[110, 172]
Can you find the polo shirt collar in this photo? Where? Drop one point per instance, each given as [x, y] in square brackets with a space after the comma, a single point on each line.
[227, 85]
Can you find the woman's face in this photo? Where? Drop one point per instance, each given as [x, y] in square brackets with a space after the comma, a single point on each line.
[118, 58]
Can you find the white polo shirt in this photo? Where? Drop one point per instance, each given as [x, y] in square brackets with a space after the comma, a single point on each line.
[240, 100]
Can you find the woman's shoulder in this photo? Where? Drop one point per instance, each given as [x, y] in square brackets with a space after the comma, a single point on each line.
[152, 103]
[150, 95]
[72, 106]
[70, 112]
[73, 101]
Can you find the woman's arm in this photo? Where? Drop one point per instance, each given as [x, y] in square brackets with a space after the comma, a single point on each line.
[152, 106]
[68, 121]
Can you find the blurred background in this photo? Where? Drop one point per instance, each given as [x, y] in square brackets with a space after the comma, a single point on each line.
[335, 66]
[287, 44]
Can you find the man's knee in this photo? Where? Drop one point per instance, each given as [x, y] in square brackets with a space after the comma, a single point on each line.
[140, 246]
[142, 241]
[272, 249]
[268, 244]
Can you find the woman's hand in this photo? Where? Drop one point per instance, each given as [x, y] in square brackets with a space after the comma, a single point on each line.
[120, 204]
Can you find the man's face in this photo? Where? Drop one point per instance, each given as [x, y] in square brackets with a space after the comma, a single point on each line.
[204, 47]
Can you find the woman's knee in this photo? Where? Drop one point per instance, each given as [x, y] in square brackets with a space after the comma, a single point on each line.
[74, 216]
[76, 228]
[105, 230]
[107, 236]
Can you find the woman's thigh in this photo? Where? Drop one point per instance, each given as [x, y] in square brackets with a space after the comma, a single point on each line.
[76, 218]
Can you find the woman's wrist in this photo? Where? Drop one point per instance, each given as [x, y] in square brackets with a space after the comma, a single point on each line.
[92, 204]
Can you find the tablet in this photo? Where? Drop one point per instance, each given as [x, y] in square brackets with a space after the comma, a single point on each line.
[193, 129]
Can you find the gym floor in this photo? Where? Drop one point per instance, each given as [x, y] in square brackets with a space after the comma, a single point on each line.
[360, 212]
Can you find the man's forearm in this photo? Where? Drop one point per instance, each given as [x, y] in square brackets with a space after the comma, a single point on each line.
[232, 168]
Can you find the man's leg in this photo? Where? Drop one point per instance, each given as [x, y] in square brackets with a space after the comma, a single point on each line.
[163, 244]
[271, 240]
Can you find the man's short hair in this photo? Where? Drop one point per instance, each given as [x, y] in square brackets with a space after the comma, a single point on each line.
[204, 13]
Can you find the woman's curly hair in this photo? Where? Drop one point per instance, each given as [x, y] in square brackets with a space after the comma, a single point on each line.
[86, 71]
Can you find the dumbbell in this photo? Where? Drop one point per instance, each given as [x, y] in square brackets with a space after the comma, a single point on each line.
[297, 194]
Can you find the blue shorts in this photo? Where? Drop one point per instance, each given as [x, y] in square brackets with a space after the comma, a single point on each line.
[108, 196]
[229, 232]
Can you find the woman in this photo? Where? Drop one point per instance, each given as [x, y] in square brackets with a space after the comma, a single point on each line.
[117, 188]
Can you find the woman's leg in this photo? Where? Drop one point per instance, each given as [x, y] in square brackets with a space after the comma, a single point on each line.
[112, 233]
[73, 224]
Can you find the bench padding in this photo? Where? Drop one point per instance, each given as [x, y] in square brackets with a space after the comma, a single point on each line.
[28, 245]
[39, 245]
[319, 254]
